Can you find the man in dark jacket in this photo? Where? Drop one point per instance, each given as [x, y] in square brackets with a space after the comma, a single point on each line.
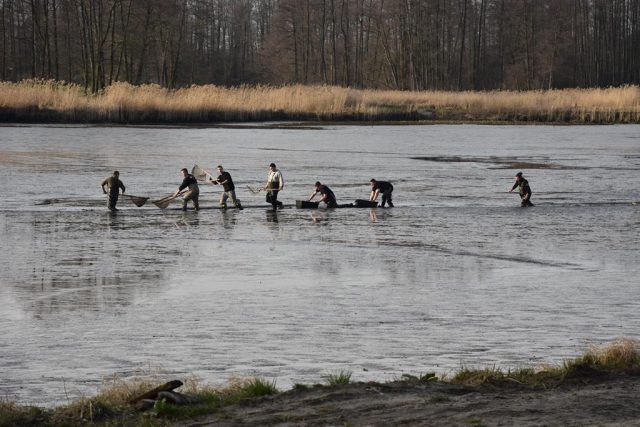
[383, 187]
[523, 188]
[193, 193]
[114, 185]
[224, 179]
[327, 195]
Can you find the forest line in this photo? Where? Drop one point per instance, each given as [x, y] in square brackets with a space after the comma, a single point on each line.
[379, 44]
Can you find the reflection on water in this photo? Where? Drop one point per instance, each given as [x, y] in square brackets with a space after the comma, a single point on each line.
[456, 273]
[71, 261]
[272, 216]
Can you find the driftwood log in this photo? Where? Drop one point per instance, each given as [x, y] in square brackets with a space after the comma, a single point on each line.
[152, 394]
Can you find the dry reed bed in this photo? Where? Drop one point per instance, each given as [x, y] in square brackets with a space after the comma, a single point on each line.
[49, 101]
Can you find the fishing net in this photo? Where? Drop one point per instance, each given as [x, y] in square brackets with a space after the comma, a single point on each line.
[254, 190]
[201, 174]
[136, 200]
[163, 203]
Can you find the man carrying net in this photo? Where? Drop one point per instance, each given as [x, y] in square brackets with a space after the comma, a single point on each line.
[114, 185]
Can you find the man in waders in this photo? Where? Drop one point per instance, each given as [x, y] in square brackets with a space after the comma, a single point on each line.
[383, 187]
[327, 195]
[224, 179]
[523, 188]
[114, 185]
[275, 183]
[193, 193]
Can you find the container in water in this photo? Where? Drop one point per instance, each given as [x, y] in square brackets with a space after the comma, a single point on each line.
[361, 203]
[305, 204]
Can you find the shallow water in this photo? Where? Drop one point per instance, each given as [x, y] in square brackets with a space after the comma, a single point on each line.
[455, 274]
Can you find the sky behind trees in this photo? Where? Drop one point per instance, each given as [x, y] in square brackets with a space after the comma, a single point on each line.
[396, 44]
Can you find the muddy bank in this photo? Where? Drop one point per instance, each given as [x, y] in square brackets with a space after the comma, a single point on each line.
[610, 400]
[587, 399]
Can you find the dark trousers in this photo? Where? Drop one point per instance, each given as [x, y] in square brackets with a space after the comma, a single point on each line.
[192, 195]
[272, 197]
[331, 203]
[526, 203]
[386, 198]
[113, 200]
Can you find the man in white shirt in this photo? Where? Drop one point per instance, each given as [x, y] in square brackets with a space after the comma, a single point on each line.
[275, 183]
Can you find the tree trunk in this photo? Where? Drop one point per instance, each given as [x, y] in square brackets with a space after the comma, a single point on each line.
[56, 52]
[463, 24]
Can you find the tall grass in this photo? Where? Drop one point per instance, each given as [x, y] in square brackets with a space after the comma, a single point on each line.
[621, 356]
[12, 414]
[50, 101]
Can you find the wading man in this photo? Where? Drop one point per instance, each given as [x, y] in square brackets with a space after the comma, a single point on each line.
[383, 187]
[327, 195]
[193, 193]
[114, 185]
[224, 179]
[523, 188]
[275, 183]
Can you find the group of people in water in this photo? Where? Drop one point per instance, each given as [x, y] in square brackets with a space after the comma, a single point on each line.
[190, 190]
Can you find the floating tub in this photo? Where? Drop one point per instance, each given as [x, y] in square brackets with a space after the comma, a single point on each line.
[361, 203]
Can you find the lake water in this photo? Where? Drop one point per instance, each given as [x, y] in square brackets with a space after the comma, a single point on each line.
[456, 274]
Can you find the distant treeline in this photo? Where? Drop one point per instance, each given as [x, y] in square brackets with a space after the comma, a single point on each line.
[392, 44]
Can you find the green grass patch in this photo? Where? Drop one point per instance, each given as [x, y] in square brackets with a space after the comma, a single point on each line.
[339, 378]
[255, 387]
[428, 376]
[475, 422]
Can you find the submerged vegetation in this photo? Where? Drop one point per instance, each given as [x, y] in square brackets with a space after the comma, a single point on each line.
[111, 405]
[50, 101]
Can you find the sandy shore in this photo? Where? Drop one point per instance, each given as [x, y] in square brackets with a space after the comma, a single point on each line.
[611, 400]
